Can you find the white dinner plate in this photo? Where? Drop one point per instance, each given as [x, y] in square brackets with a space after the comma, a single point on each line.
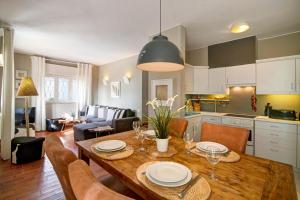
[167, 172]
[110, 145]
[170, 184]
[203, 146]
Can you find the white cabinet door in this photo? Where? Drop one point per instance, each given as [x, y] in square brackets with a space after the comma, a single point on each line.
[216, 80]
[298, 76]
[276, 77]
[241, 75]
[276, 141]
[201, 80]
[189, 79]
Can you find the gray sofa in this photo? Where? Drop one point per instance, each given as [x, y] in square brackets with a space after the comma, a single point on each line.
[96, 116]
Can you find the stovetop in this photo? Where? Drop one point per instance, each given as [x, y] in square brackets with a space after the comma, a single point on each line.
[241, 115]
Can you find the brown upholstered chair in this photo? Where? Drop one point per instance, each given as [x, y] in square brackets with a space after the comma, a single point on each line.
[177, 127]
[87, 187]
[60, 159]
[232, 137]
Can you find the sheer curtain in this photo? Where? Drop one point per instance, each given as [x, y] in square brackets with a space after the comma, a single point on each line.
[38, 77]
[8, 93]
[84, 82]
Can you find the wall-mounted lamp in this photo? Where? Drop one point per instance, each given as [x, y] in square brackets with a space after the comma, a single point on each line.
[1, 59]
[126, 79]
[105, 81]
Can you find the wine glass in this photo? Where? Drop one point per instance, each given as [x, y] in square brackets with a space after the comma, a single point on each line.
[188, 139]
[141, 136]
[213, 157]
[136, 127]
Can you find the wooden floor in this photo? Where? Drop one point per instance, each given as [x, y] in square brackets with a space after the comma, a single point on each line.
[36, 180]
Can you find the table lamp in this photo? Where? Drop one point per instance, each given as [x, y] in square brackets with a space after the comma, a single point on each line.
[27, 89]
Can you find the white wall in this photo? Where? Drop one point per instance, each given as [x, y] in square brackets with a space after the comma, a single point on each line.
[57, 110]
[131, 95]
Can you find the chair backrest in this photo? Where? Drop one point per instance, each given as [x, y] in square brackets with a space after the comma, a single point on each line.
[87, 187]
[60, 159]
[232, 137]
[177, 127]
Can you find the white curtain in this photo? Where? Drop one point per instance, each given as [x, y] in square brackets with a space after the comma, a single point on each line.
[8, 93]
[84, 82]
[38, 76]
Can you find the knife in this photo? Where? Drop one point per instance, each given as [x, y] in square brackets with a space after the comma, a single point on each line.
[184, 191]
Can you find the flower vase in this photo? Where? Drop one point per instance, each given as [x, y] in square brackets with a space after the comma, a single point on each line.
[162, 145]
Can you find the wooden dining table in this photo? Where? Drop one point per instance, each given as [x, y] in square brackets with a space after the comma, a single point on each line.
[250, 178]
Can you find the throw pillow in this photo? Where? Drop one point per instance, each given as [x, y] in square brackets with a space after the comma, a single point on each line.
[101, 112]
[91, 111]
[121, 114]
[110, 114]
[117, 114]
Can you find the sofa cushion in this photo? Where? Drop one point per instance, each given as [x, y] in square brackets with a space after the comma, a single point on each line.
[91, 111]
[121, 115]
[104, 123]
[110, 114]
[94, 119]
[102, 111]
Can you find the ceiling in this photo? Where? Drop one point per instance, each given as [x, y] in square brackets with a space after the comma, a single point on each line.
[102, 31]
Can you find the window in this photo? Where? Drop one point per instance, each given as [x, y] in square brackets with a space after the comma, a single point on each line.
[60, 89]
[49, 88]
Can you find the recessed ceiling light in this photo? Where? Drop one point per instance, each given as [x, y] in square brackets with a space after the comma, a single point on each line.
[239, 27]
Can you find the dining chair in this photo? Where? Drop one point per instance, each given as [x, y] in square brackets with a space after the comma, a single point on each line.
[177, 127]
[87, 187]
[60, 158]
[232, 137]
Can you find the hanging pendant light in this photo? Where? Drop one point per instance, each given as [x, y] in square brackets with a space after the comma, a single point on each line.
[160, 55]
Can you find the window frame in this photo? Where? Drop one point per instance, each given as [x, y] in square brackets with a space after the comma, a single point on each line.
[56, 89]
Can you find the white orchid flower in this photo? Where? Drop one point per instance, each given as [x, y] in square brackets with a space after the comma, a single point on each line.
[179, 109]
[172, 101]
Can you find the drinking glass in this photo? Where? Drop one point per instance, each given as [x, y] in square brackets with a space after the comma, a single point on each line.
[188, 139]
[136, 127]
[141, 137]
[213, 157]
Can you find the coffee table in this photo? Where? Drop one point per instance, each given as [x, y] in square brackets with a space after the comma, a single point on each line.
[66, 122]
[102, 129]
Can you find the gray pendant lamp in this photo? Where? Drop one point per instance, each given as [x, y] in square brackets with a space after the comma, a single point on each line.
[160, 55]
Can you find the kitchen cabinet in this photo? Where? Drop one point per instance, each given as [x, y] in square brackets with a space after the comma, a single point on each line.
[211, 119]
[276, 141]
[216, 81]
[298, 76]
[196, 79]
[241, 75]
[276, 77]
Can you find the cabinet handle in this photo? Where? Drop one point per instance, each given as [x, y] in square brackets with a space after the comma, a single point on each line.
[227, 80]
[273, 142]
[274, 134]
[292, 86]
[274, 150]
[274, 126]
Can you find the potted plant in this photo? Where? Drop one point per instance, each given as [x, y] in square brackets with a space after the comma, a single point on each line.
[160, 121]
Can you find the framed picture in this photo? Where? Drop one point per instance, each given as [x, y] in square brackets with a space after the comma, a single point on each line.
[17, 84]
[20, 74]
[115, 89]
[162, 89]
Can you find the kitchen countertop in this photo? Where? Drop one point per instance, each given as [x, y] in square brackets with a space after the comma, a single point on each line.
[267, 119]
[258, 118]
